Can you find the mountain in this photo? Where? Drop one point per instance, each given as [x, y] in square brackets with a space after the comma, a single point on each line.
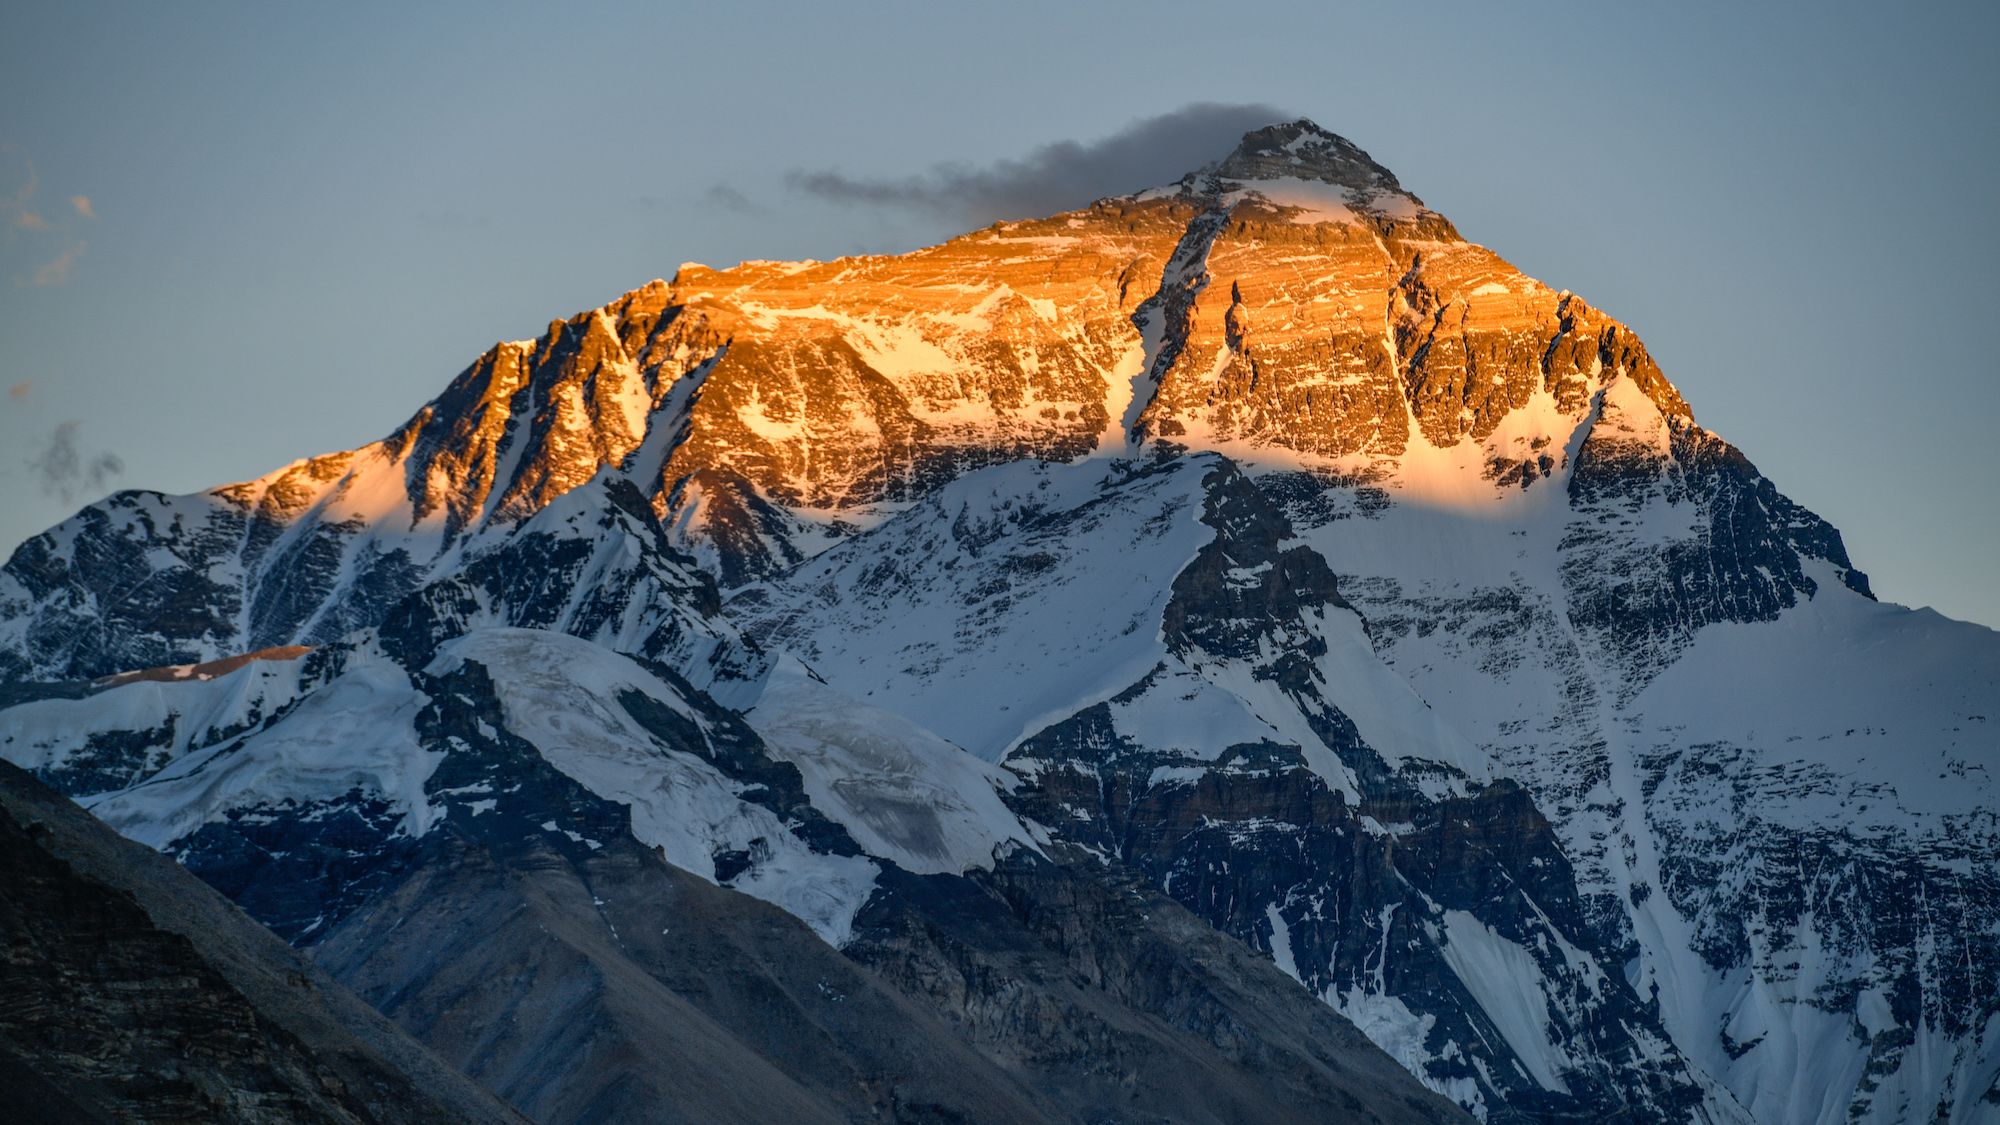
[1248, 567]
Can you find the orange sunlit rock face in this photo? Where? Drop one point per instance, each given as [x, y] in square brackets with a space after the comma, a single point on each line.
[1291, 306]
[825, 384]
[873, 379]
[836, 384]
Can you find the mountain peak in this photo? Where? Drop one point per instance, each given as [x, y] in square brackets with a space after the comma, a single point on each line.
[1303, 150]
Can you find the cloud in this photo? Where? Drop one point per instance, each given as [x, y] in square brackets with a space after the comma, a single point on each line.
[20, 391]
[57, 270]
[65, 472]
[20, 171]
[726, 198]
[1058, 176]
[20, 182]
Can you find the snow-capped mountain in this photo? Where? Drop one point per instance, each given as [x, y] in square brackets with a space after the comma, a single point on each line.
[1252, 547]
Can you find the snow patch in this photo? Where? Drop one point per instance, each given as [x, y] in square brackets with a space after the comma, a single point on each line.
[903, 793]
[561, 694]
[1505, 980]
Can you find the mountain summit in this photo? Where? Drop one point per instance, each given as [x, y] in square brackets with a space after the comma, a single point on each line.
[1303, 149]
[1250, 566]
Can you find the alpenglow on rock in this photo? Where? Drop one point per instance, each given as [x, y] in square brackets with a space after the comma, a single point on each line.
[1249, 560]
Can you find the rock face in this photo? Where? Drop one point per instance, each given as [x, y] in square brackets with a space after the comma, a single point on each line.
[1250, 567]
[132, 992]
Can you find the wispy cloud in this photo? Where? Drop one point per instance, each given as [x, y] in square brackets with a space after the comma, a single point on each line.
[64, 471]
[726, 198]
[1064, 174]
[56, 271]
[23, 182]
[20, 181]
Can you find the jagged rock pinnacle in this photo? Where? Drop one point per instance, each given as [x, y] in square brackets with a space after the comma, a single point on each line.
[1302, 150]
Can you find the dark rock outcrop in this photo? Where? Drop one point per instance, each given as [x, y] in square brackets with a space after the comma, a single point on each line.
[131, 992]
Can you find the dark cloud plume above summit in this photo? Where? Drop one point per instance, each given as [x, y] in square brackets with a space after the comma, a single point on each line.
[1060, 175]
[65, 471]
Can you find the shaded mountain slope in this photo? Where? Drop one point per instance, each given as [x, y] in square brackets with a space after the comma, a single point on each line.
[133, 992]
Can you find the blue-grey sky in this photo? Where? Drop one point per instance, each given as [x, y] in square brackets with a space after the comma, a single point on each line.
[239, 234]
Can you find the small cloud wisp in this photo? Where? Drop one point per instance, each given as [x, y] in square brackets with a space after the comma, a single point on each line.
[57, 270]
[726, 198]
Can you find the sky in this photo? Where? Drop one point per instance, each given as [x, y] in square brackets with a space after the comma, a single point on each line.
[235, 235]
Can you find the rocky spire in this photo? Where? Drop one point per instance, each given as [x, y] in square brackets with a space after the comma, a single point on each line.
[1302, 150]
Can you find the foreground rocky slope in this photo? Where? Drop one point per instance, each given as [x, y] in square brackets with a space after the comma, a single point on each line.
[133, 992]
[1251, 549]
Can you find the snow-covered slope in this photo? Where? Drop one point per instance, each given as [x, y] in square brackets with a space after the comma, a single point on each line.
[323, 793]
[1221, 723]
[1774, 789]
[372, 759]
[902, 792]
[1792, 824]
